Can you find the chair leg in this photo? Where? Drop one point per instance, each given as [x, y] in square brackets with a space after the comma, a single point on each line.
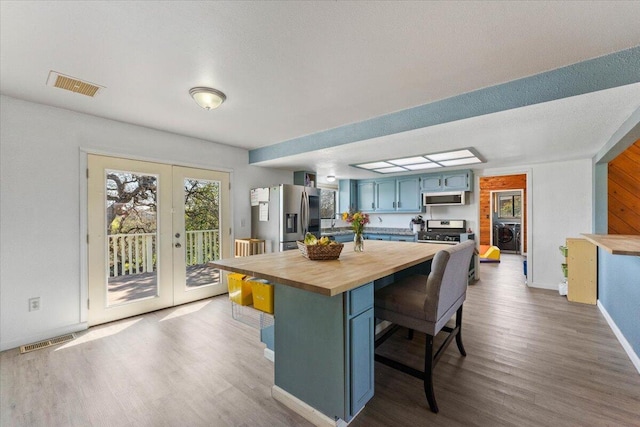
[428, 374]
[459, 334]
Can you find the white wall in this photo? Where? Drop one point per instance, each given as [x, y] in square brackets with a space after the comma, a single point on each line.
[41, 151]
[560, 206]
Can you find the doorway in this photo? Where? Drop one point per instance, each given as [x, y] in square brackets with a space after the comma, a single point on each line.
[498, 183]
[152, 228]
[506, 220]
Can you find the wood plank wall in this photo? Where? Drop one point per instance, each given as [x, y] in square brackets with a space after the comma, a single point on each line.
[623, 184]
[499, 183]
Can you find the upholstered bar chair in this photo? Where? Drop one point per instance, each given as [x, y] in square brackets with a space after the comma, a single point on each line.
[426, 304]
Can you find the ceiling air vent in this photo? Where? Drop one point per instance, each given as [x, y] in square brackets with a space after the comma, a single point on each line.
[73, 84]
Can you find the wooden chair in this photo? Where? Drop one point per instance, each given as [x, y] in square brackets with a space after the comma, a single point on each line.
[425, 304]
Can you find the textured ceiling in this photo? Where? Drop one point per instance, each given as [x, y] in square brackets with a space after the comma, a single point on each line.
[292, 69]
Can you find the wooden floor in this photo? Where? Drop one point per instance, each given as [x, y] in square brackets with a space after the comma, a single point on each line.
[533, 360]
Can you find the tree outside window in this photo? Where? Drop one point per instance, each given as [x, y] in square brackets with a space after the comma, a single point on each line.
[509, 206]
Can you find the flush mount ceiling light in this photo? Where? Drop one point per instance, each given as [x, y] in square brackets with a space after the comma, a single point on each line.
[206, 97]
[331, 178]
[426, 161]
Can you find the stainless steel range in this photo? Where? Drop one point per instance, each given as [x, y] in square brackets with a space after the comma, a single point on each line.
[451, 231]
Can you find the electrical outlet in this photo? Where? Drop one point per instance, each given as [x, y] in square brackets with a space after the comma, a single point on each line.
[34, 304]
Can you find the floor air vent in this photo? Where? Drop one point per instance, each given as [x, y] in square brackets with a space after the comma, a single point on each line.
[46, 343]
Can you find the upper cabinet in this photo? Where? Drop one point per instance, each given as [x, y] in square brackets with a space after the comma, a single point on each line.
[408, 191]
[448, 181]
[386, 196]
[366, 196]
[347, 195]
[308, 179]
[389, 195]
[399, 194]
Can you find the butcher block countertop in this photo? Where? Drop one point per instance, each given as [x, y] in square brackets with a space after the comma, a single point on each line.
[616, 244]
[351, 270]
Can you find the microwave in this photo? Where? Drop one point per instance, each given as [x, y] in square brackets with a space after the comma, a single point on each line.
[447, 198]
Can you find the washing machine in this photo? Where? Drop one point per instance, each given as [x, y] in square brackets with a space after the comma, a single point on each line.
[506, 236]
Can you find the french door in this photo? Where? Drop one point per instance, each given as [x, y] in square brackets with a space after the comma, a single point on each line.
[152, 230]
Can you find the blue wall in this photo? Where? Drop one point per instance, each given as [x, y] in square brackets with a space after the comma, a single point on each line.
[618, 275]
[619, 293]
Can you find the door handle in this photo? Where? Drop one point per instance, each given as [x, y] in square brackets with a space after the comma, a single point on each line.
[178, 245]
[177, 235]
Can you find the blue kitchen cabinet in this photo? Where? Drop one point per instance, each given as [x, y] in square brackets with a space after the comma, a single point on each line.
[366, 196]
[347, 195]
[447, 181]
[385, 195]
[360, 339]
[334, 335]
[343, 238]
[393, 237]
[389, 195]
[375, 236]
[460, 180]
[431, 182]
[402, 238]
[408, 194]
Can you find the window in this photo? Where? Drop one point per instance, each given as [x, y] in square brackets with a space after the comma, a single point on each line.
[327, 204]
[509, 206]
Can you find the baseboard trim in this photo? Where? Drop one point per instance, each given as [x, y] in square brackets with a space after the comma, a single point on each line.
[269, 355]
[77, 327]
[623, 341]
[543, 286]
[303, 409]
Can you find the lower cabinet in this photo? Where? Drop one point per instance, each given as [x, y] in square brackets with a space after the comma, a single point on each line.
[343, 238]
[374, 236]
[324, 348]
[393, 237]
[361, 331]
[402, 238]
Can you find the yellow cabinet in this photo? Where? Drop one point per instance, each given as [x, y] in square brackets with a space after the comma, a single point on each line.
[582, 274]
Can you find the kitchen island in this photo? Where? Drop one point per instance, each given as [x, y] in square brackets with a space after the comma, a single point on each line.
[324, 324]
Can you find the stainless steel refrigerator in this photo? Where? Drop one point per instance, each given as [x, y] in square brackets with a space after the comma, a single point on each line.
[284, 213]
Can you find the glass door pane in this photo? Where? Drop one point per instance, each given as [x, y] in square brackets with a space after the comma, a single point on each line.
[130, 255]
[201, 211]
[131, 229]
[202, 231]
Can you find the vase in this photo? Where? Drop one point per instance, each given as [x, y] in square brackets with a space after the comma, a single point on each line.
[358, 243]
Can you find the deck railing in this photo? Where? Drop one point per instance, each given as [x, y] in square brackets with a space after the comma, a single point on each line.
[136, 253]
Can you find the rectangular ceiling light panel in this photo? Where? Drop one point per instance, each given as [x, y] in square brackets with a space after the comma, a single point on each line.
[73, 84]
[375, 165]
[426, 161]
[409, 161]
[423, 166]
[391, 170]
[450, 155]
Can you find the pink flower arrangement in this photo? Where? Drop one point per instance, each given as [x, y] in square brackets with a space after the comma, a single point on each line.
[357, 220]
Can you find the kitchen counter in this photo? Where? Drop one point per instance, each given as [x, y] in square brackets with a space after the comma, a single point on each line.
[616, 244]
[333, 277]
[367, 230]
[324, 322]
